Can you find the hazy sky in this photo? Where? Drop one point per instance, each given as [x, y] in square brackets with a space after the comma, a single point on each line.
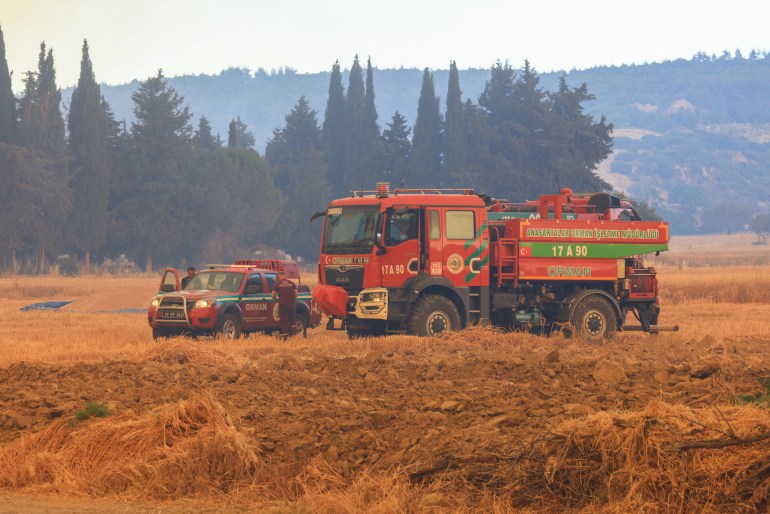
[131, 39]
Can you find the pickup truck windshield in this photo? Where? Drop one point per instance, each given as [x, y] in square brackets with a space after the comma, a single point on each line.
[350, 229]
[216, 281]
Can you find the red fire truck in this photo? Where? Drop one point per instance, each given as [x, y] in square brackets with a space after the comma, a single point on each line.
[229, 299]
[424, 262]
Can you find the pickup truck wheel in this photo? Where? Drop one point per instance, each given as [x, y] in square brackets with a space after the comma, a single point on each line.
[594, 319]
[301, 324]
[433, 315]
[160, 332]
[230, 326]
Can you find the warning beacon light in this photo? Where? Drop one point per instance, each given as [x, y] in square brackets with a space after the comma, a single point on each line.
[383, 189]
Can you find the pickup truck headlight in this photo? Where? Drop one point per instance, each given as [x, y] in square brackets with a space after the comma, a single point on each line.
[376, 296]
[202, 304]
[155, 302]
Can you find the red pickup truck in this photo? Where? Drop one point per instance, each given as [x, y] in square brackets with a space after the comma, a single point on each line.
[228, 299]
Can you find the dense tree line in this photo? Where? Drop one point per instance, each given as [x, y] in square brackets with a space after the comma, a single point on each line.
[163, 192]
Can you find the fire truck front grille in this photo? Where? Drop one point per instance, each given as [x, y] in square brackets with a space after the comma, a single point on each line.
[350, 278]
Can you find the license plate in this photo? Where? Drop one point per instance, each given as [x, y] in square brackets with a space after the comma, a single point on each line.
[172, 315]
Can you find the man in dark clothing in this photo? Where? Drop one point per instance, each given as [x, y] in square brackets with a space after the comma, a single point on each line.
[286, 292]
[190, 275]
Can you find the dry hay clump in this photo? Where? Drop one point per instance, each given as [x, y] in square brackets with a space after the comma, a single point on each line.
[664, 457]
[192, 450]
[171, 352]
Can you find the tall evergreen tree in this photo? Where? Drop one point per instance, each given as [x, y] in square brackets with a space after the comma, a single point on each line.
[88, 143]
[42, 130]
[580, 144]
[371, 136]
[239, 135]
[535, 144]
[232, 136]
[425, 168]
[455, 139]
[42, 125]
[333, 131]
[151, 213]
[8, 124]
[295, 154]
[203, 139]
[354, 176]
[396, 149]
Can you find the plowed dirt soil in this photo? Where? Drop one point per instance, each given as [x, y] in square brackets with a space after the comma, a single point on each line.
[457, 411]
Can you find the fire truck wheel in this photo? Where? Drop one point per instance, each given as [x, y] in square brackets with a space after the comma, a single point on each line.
[433, 315]
[230, 326]
[594, 319]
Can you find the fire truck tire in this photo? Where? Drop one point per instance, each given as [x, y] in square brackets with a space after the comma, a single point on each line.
[230, 326]
[594, 319]
[433, 315]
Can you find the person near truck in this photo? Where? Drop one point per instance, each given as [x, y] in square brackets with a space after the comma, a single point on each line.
[190, 275]
[285, 291]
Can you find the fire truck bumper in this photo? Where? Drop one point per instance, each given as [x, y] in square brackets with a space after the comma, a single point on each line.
[369, 304]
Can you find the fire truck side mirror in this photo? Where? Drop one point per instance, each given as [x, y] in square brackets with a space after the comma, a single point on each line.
[381, 250]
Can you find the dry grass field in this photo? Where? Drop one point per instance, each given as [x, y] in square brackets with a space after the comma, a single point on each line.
[482, 421]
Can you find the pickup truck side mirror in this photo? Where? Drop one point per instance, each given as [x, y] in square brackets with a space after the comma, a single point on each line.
[253, 289]
[168, 288]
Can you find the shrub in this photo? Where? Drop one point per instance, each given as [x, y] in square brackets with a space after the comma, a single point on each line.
[98, 410]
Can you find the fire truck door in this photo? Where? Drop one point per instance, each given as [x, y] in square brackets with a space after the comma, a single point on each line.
[464, 247]
[402, 240]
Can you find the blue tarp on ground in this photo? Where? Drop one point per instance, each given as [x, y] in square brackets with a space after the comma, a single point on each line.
[46, 306]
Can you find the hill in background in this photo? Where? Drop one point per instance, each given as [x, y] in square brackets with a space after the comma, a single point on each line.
[691, 136]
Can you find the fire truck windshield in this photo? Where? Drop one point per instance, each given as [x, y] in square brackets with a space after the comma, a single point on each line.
[350, 229]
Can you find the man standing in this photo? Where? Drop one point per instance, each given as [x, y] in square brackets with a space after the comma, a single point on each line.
[190, 275]
[286, 292]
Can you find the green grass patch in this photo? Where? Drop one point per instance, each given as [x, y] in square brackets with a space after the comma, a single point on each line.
[95, 409]
[761, 398]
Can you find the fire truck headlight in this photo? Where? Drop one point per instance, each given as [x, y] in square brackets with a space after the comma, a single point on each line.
[155, 302]
[376, 296]
[202, 304]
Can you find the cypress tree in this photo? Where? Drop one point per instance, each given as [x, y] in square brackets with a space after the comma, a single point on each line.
[333, 131]
[8, 124]
[42, 129]
[425, 162]
[355, 132]
[42, 125]
[88, 143]
[371, 150]
[455, 140]
[232, 137]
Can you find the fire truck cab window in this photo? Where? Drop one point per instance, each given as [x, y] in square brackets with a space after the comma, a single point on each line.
[460, 225]
[435, 225]
[401, 226]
